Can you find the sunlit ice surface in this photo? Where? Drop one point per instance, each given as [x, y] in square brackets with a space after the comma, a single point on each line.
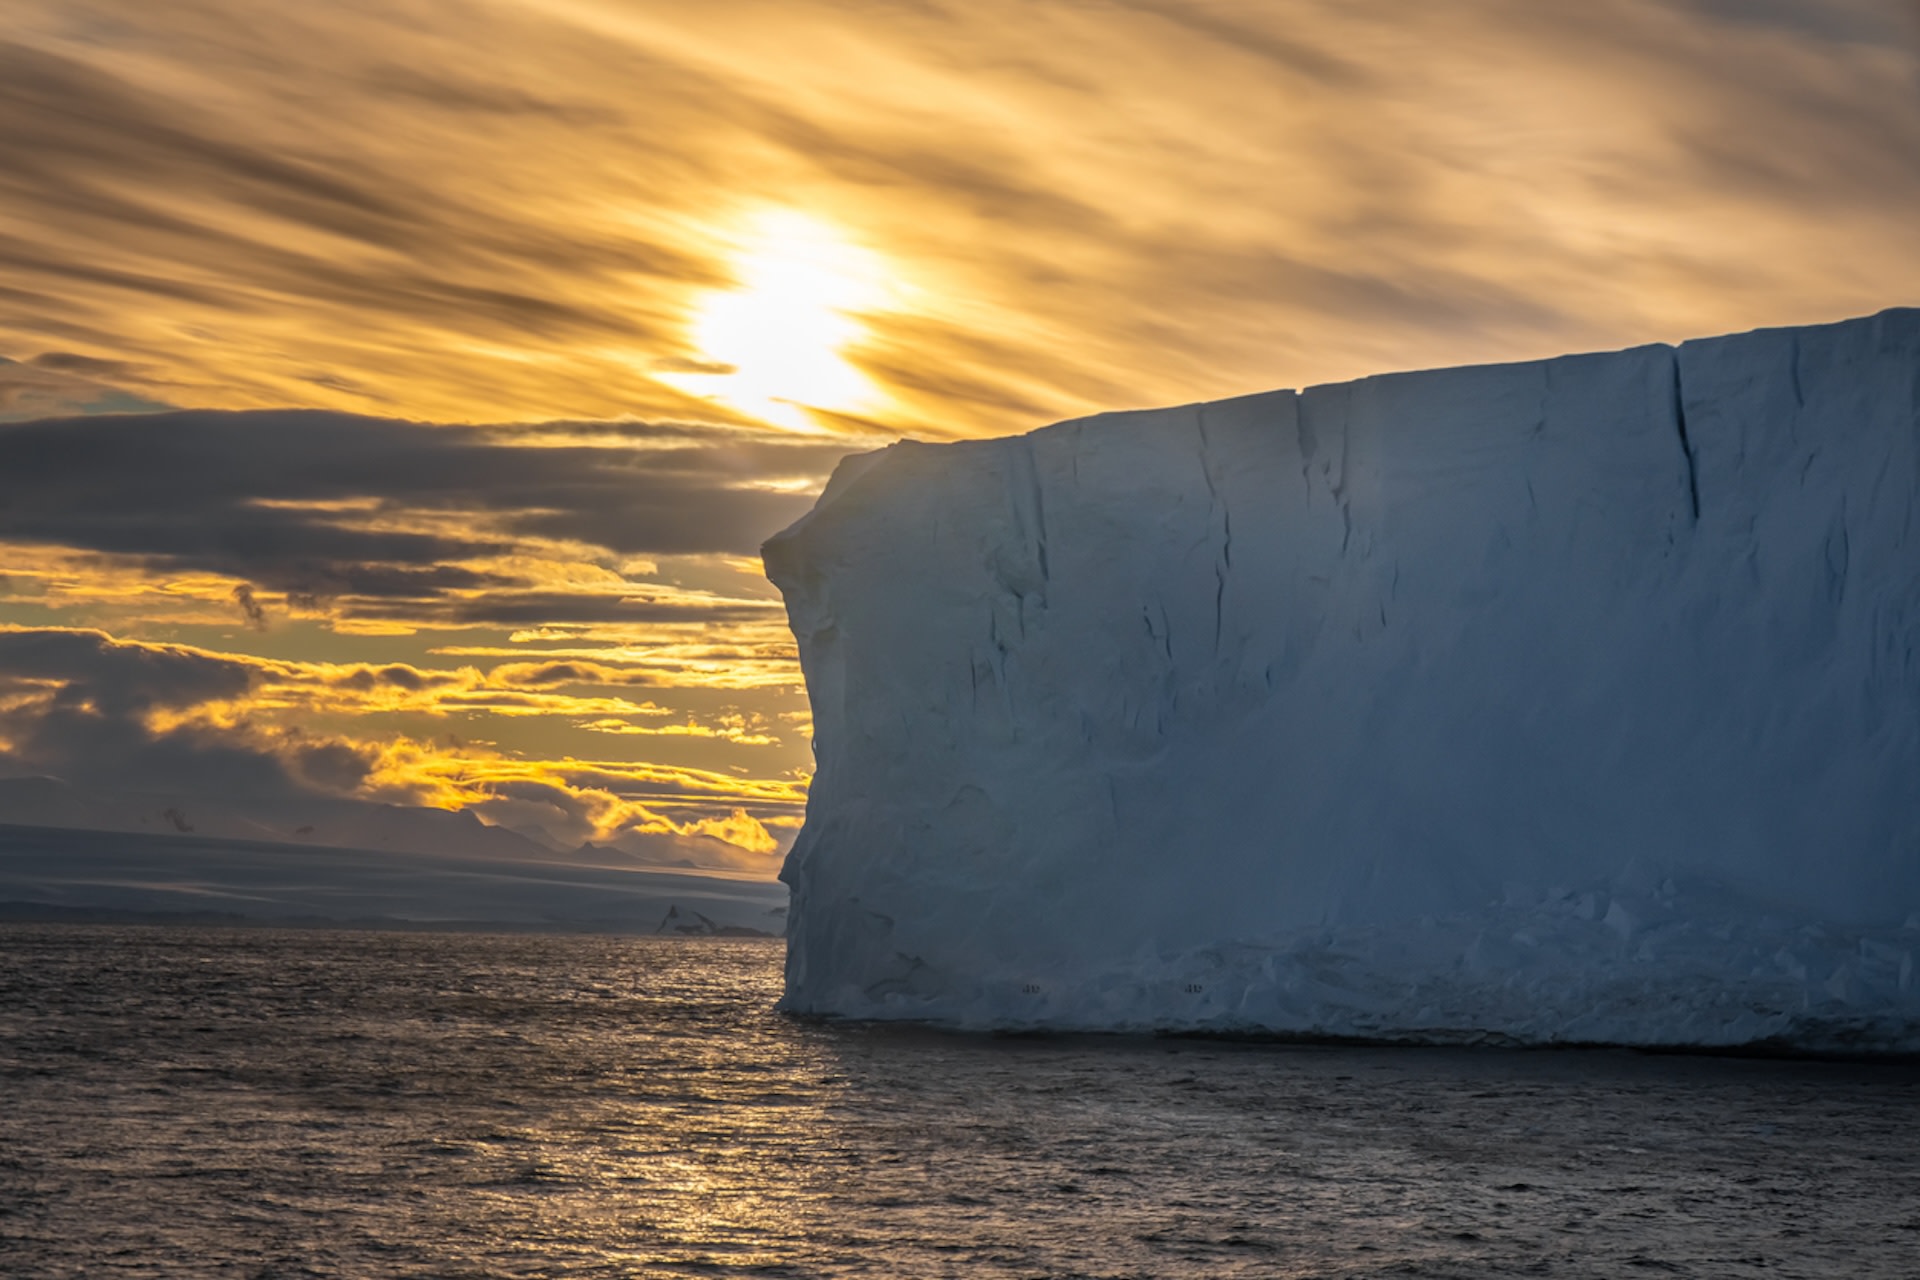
[185, 1103]
[775, 344]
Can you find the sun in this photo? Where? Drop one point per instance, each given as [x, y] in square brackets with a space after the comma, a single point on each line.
[777, 340]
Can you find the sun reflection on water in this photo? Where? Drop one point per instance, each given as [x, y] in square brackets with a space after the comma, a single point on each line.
[567, 1107]
[776, 343]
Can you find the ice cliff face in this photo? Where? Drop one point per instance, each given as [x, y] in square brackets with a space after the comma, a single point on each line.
[1567, 701]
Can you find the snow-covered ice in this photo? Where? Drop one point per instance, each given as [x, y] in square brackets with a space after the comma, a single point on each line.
[1568, 701]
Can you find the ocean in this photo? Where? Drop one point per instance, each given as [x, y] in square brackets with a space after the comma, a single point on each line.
[198, 1102]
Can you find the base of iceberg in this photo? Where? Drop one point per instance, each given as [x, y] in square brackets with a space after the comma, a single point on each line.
[1660, 969]
[1566, 702]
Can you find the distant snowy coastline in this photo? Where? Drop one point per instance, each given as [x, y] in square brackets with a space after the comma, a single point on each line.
[1575, 701]
[63, 875]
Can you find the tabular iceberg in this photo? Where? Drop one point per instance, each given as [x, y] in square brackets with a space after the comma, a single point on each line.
[1572, 701]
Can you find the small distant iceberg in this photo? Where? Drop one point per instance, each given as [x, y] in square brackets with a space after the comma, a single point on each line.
[1574, 701]
[693, 924]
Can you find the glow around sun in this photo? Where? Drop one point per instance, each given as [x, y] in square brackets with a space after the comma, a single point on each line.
[778, 339]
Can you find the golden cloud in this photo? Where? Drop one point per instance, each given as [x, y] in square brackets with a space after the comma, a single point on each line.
[135, 703]
[532, 212]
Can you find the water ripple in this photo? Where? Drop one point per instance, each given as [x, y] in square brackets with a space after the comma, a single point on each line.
[250, 1103]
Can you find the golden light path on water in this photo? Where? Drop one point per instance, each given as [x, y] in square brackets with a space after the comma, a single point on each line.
[578, 1107]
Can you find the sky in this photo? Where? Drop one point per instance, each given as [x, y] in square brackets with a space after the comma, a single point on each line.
[394, 396]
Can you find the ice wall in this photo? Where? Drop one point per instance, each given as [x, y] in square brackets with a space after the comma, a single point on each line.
[1575, 700]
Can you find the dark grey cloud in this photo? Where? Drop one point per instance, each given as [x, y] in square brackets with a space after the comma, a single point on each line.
[81, 705]
[117, 679]
[398, 676]
[559, 608]
[87, 366]
[243, 599]
[76, 744]
[1838, 21]
[327, 505]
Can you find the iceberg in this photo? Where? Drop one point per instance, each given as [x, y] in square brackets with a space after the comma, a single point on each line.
[1573, 701]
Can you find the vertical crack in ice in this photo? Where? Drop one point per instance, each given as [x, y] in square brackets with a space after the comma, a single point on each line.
[1913, 401]
[1039, 514]
[1206, 453]
[1029, 504]
[1219, 604]
[1304, 434]
[1539, 427]
[1838, 551]
[1216, 502]
[1686, 442]
[1309, 442]
[1339, 487]
[1793, 364]
[1213, 491]
[997, 662]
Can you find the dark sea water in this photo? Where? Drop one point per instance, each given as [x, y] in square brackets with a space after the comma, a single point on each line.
[252, 1103]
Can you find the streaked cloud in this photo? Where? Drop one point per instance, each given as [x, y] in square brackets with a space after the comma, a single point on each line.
[301, 474]
[56, 383]
[368, 518]
[478, 212]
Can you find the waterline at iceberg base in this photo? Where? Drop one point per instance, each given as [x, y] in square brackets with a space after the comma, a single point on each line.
[1569, 701]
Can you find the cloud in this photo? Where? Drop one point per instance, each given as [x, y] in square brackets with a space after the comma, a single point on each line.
[455, 779]
[1869, 22]
[65, 669]
[150, 136]
[735, 728]
[90, 669]
[102, 713]
[648, 660]
[84, 704]
[56, 384]
[1085, 206]
[737, 828]
[382, 519]
[249, 607]
[556, 608]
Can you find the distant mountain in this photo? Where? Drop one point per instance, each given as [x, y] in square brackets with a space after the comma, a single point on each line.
[67, 873]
